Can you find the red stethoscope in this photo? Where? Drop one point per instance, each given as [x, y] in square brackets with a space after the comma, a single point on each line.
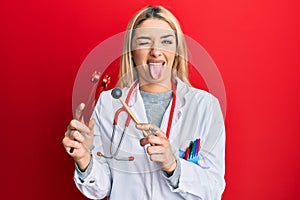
[114, 154]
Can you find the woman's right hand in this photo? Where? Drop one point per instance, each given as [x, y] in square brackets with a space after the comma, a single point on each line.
[79, 139]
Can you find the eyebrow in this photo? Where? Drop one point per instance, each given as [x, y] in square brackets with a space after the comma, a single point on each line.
[143, 37]
[166, 36]
[148, 38]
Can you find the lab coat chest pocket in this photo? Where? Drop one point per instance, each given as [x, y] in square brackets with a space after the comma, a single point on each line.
[185, 128]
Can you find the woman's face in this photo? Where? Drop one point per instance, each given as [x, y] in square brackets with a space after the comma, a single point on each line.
[153, 50]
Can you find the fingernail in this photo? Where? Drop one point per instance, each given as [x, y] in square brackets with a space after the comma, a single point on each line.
[82, 105]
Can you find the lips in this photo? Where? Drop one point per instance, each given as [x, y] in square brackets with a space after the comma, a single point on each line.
[156, 68]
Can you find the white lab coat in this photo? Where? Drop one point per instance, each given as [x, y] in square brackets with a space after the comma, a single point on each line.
[197, 114]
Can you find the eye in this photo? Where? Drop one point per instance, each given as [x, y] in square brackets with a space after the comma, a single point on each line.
[143, 43]
[166, 42]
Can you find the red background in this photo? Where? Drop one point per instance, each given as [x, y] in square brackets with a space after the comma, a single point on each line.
[255, 45]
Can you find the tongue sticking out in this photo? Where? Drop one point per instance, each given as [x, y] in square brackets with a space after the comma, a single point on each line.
[156, 70]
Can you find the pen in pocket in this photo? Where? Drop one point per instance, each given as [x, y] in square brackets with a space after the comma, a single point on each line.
[193, 149]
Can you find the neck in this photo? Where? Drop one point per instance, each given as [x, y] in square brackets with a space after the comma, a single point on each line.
[156, 87]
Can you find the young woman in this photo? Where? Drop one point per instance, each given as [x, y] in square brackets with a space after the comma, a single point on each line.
[182, 154]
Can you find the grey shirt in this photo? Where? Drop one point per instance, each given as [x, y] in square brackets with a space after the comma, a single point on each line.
[156, 105]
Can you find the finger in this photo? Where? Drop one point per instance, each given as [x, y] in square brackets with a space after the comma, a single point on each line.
[67, 133]
[157, 158]
[77, 125]
[151, 128]
[145, 126]
[155, 150]
[92, 124]
[79, 110]
[144, 141]
[77, 136]
[68, 149]
[161, 134]
[151, 139]
[68, 143]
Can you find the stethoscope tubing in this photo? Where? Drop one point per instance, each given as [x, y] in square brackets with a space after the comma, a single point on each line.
[113, 155]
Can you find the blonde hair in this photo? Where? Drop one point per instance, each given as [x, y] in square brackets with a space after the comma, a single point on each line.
[180, 65]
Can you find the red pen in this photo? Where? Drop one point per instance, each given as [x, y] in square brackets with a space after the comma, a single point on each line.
[198, 146]
[187, 152]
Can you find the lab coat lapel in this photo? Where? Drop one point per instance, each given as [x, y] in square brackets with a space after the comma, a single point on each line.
[181, 92]
[137, 105]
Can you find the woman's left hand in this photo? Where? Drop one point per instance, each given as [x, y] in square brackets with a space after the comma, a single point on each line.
[160, 150]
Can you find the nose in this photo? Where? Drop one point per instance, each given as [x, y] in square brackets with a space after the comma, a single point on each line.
[155, 52]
